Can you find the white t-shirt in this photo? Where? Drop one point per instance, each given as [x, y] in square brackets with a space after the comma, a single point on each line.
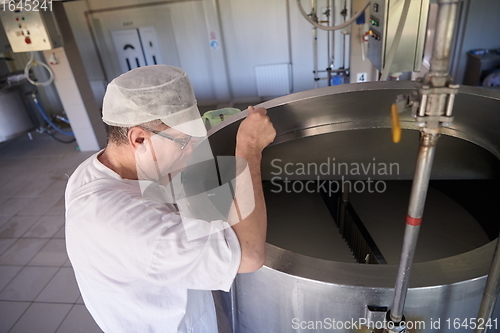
[135, 268]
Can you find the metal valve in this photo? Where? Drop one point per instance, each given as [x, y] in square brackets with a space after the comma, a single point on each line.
[433, 106]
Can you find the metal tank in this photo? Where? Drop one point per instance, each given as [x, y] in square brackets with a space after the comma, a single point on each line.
[332, 258]
[14, 119]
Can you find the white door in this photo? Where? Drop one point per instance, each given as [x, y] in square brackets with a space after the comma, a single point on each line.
[150, 45]
[128, 48]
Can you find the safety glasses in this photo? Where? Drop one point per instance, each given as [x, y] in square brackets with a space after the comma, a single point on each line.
[182, 141]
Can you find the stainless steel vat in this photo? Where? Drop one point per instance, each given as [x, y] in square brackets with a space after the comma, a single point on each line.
[298, 293]
[14, 120]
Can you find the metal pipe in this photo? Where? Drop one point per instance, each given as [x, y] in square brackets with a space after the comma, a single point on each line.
[449, 105]
[443, 37]
[423, 103]
[135, 6]
[329, 15]
[343, 37]
[315, 56]
[436, 78]
[422, 174]
[289, 36]
[233, 308]
[331, 35]
[341, 70]
[314, 16]
[491, 292]
[329, 11]
[415, 211]
[336, 27]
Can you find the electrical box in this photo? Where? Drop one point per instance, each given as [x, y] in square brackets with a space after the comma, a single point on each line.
[31, 30]
[384, 21]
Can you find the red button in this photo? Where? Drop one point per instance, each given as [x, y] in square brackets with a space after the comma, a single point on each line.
[27, 40]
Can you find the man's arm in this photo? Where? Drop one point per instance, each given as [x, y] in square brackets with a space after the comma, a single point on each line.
[254, 134]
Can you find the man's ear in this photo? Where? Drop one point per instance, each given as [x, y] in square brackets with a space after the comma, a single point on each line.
[136, 136]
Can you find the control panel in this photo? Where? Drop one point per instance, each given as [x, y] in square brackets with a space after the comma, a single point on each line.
[31, 30]
[384, 20]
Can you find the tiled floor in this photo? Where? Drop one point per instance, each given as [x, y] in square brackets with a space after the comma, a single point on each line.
[38, 290]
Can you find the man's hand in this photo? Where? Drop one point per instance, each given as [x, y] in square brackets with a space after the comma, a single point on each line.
[256, 132]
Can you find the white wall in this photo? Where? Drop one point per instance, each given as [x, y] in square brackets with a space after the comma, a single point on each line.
[192, 43]
[255, 33]
[181, 32]
[302, 49]
[359, 58]
[251, 33]
[481, 26]
[75, 11]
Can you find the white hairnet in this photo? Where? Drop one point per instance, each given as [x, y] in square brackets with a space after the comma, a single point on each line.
[153, 92]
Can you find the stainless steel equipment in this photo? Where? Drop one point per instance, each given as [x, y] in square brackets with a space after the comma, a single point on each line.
[14, 120]
[351, 123]
[433, 109]
[384, 20]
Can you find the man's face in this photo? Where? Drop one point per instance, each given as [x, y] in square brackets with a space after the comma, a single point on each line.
[164, 151]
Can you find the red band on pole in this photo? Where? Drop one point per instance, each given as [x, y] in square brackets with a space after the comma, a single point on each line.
[413, 221]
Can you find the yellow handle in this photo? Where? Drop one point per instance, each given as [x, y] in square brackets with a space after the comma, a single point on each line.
[396, 127]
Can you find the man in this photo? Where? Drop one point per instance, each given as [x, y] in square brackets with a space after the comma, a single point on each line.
[138, 263]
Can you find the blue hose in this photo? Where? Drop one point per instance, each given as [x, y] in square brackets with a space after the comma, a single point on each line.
[47, 118]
